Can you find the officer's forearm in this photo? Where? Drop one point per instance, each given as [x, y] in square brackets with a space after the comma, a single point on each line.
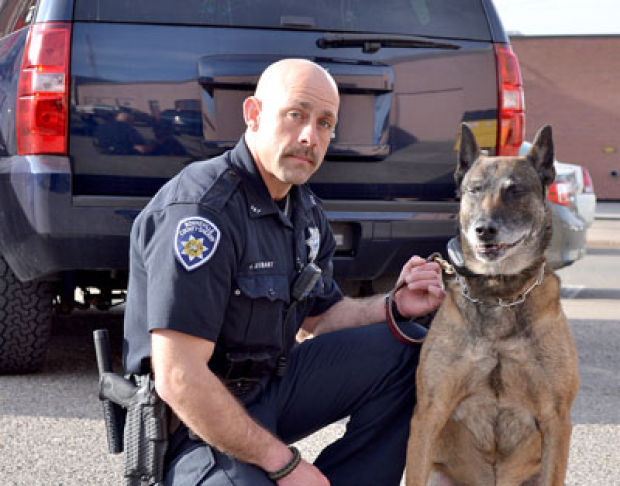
[348, 313]
[203, 403]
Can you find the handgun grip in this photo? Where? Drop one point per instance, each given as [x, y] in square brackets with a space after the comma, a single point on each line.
[113, 414]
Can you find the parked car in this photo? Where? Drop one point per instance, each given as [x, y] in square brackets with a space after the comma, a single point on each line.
[581, 180]
[100, 104]
[573, 205]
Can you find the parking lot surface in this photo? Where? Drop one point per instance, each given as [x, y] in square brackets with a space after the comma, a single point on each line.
[52, 433]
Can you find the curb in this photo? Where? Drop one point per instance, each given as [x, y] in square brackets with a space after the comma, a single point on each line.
[606, 210]
[607, 217]
[604, 231]
[594, 239]
[602, 245]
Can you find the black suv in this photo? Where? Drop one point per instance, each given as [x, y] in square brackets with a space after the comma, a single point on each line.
[102, 101]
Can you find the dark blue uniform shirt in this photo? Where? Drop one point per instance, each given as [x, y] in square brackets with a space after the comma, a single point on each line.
[213, 256]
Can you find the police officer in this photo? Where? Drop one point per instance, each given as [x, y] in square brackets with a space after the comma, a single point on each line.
[213, 310]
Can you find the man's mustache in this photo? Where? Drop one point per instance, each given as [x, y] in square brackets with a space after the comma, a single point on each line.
[306, 153]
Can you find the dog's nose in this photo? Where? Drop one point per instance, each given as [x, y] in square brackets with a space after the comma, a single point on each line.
[486, 230]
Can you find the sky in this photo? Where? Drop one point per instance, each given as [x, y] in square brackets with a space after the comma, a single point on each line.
[560, 17]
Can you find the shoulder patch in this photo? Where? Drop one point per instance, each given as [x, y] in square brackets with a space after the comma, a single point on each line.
[195, 241]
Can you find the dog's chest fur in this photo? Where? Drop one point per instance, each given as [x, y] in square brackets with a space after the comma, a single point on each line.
[502, 371]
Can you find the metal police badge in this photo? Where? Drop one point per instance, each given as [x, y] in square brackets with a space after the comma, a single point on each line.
[313, 242]
[195, 241]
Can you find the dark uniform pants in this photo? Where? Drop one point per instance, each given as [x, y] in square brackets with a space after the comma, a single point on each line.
[364, 373]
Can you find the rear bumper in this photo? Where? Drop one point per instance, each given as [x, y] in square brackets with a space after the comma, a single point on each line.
[375, 238]
[568, 241]
[44, 230]
[586, 207]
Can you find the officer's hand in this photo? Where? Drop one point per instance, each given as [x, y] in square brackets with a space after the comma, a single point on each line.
[423, 291]
[305, 474]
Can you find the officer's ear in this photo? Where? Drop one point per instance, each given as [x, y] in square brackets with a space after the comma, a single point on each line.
[251, 112]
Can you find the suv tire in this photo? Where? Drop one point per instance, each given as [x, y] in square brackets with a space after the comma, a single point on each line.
[25, 322]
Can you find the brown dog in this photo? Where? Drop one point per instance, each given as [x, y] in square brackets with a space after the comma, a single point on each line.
[498, 369]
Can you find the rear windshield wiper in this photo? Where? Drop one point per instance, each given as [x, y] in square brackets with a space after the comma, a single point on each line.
[371, 43]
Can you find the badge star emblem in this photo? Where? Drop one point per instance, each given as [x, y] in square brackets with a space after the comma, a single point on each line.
[195, 241]
[313, 242]
[193, 248]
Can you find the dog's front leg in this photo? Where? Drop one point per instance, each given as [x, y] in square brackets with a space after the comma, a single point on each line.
[556, 434]
[429, 418]
[426, 426]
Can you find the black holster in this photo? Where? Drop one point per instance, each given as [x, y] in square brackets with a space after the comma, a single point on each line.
[136, 419]
[242, 372]
[145, 436]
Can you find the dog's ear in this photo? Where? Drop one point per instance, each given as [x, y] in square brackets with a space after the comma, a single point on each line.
[468, 153]
[541, 155]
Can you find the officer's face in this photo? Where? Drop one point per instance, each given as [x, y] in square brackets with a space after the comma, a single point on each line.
[294, 127]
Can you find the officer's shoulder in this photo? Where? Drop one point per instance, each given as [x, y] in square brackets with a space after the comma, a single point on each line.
[209, 183]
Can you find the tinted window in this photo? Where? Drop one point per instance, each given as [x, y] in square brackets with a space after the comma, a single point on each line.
[444, 18]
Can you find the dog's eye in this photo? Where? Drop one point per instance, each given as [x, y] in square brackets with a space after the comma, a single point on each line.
[475, 189]
[515, 190]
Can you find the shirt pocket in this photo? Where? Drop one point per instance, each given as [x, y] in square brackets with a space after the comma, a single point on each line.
[267, 297]
[272, 288]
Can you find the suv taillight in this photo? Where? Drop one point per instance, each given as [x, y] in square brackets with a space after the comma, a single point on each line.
[588, 186]
[511, 106]
[43, 90]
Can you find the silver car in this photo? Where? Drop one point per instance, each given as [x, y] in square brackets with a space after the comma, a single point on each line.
[573, 204]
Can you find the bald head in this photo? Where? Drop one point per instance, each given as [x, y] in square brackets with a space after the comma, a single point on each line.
[290, 120]
[287, 73]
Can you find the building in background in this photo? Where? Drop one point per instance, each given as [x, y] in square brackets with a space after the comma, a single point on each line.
[573, 83]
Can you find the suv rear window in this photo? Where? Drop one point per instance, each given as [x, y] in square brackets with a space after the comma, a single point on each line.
[464, 19]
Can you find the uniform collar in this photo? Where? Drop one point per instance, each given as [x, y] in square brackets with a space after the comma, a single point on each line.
[260, 202]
